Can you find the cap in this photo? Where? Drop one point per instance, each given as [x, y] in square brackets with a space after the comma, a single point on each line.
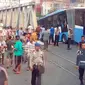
[37, 44]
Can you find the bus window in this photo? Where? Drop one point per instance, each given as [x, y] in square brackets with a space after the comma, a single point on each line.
[50, 21]
[79, 17]
[63, 21]
[55, 20]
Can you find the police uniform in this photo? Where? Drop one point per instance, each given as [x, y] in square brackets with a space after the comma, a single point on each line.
[80, 62]
[36, 60]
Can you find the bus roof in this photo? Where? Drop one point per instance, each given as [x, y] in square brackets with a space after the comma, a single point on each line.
[58, 11]
[53, 13]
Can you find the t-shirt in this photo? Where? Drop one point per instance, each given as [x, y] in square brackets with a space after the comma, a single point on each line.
[46, 35]
[34, 36]
[9, 43]
[30, 29]
[3, 75]
[52, 31]
[18, 48]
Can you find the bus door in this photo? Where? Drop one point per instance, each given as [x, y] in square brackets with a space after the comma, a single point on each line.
[84, 22]
[71, 18]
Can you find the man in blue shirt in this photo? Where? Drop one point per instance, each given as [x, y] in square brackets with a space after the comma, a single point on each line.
[51, 35]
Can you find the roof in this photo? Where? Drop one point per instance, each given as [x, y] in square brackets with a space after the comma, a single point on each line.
[58, 11]
[53, 13]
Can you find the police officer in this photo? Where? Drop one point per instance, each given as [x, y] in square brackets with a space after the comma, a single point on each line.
[36, 61]
[81, 59]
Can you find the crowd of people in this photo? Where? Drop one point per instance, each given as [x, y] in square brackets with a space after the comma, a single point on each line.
[20, 45]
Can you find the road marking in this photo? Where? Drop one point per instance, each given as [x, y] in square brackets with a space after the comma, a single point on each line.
[62, 57]
[56, 64]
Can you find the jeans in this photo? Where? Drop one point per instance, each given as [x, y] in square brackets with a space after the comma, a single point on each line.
[51, 38]
[56, 40]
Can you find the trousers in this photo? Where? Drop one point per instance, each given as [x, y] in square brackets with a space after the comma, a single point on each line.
[18, 61]
[46, 44]
[81, 73]
[36, 76]
[69, 43]
[56, 40]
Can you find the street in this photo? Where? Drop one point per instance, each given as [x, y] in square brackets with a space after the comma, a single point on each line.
[60, 68]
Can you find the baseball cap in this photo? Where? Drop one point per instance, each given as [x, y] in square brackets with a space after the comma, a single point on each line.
[37, 44]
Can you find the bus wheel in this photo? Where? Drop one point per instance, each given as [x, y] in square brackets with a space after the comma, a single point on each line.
[64, 40]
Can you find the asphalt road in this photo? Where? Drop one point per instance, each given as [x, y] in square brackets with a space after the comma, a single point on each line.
[60, 68]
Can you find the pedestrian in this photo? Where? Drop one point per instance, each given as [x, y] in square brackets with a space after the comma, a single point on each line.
[57, 32]
[70, 33]
[30, 29]
[51, 35]
[34, 36]
[81, 60]
[10, 44]
[41, 33]
[46, 35]
[18, 53]
[3, 76]
[37, 64]
[30, 47]
[3, 48]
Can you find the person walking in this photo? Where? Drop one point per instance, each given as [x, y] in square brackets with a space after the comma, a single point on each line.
[30, 48]
[41, 33]
[46, 35]
[34, 36]
[18, 52]
[37, 63]
[51, 35]
[10, 44]
[3, 48]
[69, 38]
[80, 61]
[57, 32]
[30, 28]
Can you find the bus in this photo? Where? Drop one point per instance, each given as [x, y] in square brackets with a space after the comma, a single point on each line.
[73, 18]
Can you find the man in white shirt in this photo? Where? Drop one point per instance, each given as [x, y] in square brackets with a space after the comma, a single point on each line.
[30, 28]
[57, 32]
[69, 38]
[30, 46]
[41, 33]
